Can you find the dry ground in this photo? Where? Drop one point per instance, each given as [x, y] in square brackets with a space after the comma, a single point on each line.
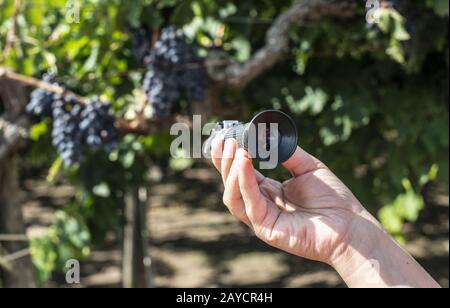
[194, 242]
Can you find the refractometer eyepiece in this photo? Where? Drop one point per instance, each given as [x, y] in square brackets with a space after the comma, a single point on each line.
[270, 134]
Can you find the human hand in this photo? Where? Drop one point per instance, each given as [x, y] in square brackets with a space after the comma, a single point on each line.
[315, 216]
[310, 215]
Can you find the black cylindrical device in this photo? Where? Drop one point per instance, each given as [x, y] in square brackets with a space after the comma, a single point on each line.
[269, 133]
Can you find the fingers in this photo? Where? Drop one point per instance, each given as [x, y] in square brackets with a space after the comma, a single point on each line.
[233, 168]
[223, 160]
[256, 207]
[232, 197]
[228, 158]
[302, 162]
[217, 152]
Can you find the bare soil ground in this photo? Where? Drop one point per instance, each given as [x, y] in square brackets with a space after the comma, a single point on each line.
[195, 242]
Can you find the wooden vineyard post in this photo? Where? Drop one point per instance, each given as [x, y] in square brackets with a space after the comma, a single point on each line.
[19, 270]
[136, 270]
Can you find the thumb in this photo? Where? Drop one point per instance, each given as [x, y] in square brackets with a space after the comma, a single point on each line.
[302, 162]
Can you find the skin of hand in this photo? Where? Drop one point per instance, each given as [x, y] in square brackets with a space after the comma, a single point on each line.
[315, 216]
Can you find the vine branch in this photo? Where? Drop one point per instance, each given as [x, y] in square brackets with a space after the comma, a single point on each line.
[6, 261]
[238, 75]
[36, 83]
[13, 238]
[137, 126]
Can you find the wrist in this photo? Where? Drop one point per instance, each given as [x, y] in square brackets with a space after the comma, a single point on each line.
[372, 258]
[363, 249]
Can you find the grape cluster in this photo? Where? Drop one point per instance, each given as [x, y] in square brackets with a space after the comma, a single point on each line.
[174, 67]
[98, 126]
[41, 101]
[66, 134]
[75, 125]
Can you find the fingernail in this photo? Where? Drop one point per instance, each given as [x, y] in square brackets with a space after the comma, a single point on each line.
[229, 142]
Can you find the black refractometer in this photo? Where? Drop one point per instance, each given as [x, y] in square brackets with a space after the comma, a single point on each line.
[270, 134]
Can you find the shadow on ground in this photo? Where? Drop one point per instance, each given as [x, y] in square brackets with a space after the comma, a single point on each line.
[194, 242]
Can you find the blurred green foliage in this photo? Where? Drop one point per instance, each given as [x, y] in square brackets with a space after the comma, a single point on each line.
[371, 102]
[68, 238]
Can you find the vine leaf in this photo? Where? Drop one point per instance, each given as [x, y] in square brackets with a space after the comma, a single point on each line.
[55, 170]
